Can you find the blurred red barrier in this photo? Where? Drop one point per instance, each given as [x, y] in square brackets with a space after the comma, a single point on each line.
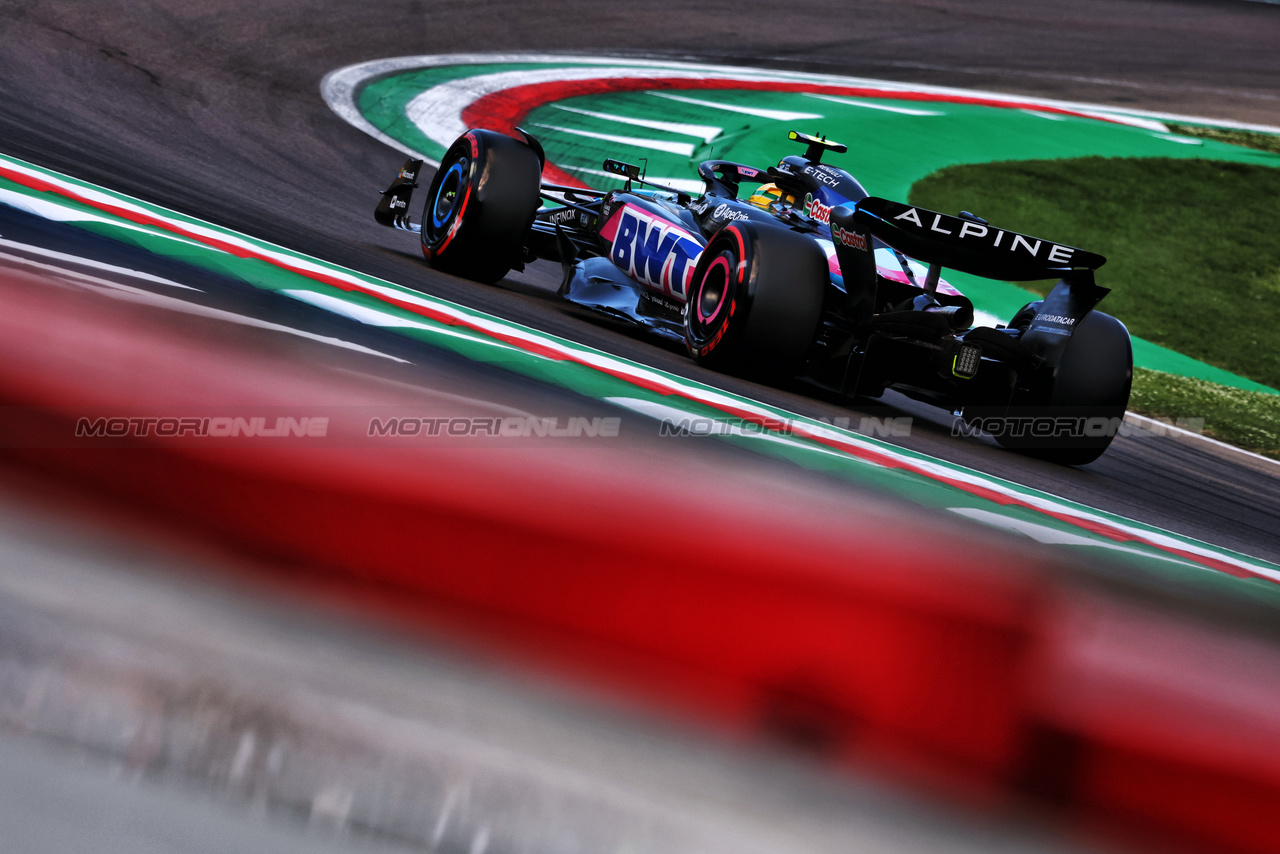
[756, 600]
[1166, 721]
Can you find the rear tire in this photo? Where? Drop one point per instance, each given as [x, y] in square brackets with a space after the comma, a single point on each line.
[755, 300]
[1091, 384]
[481, 205]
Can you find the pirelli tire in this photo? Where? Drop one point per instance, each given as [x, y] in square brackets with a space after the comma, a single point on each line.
[1090, 392]
[755, 300]
[481, 206]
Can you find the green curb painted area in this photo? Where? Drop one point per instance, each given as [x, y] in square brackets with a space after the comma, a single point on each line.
[892, 144]
[1096, 537]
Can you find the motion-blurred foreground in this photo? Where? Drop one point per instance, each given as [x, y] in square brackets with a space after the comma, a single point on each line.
[804, 653]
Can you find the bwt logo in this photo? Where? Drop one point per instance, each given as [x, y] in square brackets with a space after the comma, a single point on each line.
[220, 427]
[654, 252]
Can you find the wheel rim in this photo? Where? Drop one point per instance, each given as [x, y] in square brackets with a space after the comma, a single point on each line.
[713, 291]
[444, 207]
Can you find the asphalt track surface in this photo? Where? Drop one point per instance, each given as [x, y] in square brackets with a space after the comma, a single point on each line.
[213, 108]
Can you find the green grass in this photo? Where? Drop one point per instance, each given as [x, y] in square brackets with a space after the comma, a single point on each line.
[1193, 246]
[1246, 419]
[1247, 138]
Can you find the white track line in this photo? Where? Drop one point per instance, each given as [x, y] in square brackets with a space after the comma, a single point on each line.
[683, 149]
[1153, 424]
[116, 290]
[854, 102]
[92, 264]
[704, 132]
[758, 112]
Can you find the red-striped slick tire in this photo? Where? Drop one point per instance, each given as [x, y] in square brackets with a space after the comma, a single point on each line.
[480, 206]
[755, 300]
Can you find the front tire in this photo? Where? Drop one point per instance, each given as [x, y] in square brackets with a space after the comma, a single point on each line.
[481, 205]
[755, 300]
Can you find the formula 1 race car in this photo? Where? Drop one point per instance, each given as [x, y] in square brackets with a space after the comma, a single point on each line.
[808, 277]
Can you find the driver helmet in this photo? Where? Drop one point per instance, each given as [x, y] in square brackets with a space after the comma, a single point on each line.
[767, 195]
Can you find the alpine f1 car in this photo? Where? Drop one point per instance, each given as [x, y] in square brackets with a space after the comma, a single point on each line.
[807, 277]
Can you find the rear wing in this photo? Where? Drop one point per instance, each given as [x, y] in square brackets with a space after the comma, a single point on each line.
[970, 245]
[973, 246]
